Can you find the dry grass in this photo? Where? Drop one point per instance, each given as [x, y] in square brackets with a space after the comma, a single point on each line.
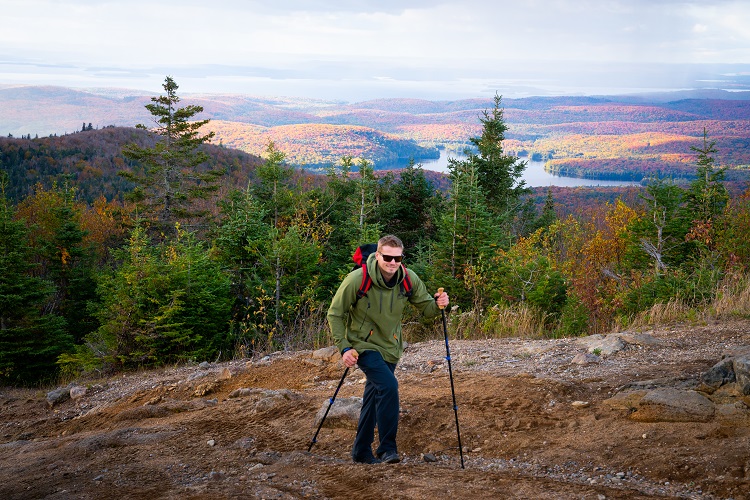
[732, 298]
[661, 314]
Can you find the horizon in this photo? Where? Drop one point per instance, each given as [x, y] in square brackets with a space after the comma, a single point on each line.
[355, 51]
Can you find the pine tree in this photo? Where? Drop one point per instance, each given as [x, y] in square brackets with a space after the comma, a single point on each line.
[174, 173]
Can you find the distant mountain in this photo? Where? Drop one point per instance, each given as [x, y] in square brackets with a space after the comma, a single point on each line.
[612, 137]
[92, 160]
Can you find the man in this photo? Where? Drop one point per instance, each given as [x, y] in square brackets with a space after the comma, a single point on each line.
[368, 333]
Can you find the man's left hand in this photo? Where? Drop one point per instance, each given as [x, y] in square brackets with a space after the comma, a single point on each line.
[442, 300]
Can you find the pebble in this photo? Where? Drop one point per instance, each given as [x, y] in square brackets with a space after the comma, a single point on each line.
[211, 442]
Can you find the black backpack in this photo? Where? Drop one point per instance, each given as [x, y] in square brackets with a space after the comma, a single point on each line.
[360, 259]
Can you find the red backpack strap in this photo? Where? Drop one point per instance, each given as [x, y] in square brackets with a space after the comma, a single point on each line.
[406, 283]
[366, 283]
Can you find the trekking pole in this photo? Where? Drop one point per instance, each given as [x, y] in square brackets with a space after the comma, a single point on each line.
[341, 382]
[450, 373]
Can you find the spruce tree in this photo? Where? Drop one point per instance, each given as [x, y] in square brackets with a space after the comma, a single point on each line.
[175, 172]
[499, 174]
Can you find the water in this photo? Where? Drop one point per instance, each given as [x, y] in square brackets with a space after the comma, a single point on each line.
[534, 175]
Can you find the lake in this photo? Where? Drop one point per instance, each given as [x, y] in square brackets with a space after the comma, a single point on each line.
[534, 175]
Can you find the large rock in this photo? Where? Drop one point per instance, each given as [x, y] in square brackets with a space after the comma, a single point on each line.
[641, 339]
[719, 374]
[344, 413]
[674, 405]
[58, 396]
[602, 345]
[741, 365]
[328, 354]
[733, 368]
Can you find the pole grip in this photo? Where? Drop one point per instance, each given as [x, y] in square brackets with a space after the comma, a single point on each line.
[440, 290]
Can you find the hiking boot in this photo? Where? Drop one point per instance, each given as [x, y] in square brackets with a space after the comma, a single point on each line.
[389, 457]
[366, 460]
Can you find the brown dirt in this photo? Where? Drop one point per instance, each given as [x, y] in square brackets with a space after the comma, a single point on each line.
[146, 435]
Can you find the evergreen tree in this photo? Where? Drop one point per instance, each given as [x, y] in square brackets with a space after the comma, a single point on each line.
[499, 174]
[30, 340]
[166, 303]
[175, 173]
[707, 196]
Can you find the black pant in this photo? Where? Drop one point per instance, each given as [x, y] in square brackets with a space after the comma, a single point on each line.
[380, 406]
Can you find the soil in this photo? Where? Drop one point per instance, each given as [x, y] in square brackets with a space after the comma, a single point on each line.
[532, 424]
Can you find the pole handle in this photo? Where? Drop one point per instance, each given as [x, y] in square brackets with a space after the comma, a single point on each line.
[440, 291]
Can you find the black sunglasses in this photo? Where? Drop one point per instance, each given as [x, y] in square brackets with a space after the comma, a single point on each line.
[391, 258]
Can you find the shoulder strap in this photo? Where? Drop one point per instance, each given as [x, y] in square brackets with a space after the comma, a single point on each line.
[365, 285]
[406, 285]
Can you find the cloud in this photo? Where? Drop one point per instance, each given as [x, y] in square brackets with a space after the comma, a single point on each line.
[366, 42]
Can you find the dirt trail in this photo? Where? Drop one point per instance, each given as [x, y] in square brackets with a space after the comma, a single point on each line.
[533, 425]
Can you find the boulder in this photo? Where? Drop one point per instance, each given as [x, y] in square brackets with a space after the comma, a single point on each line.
[674, 405]
[627, 400]
[603, 345]
[719, 374]
[741, 366]
[641, 339]
[58, 396]
[344, 413]
[327, 354]
[77, 392]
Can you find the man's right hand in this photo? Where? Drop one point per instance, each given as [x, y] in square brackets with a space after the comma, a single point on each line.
[350, 358]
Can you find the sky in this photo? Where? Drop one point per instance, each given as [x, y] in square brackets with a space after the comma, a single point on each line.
[363, 49]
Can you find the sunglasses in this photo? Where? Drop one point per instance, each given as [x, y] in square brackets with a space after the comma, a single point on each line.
[391, 258]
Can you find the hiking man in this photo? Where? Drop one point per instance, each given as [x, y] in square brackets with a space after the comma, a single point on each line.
[367, 332]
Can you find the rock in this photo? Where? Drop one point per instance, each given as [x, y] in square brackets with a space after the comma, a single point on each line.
[429, 457]
[270, 399]
[58, 396]
[585, 358]
[673, 405]
[741, 365]
[580, 404]
[225, 374]
[344, 413]
[211, 442]
[603, 345]
[243, 392]
[642, 339]
[719, 374]
[628, 400]
[327, 354]
[205, 365]
[77, 392]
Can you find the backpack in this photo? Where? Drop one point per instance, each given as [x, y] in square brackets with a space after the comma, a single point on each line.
[360, 260]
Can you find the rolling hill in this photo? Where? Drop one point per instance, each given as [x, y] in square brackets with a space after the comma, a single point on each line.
[613, 137]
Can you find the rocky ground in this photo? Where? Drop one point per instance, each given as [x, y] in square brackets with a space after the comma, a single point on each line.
[635, 415]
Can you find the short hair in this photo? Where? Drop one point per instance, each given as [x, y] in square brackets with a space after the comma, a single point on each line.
[390, 241]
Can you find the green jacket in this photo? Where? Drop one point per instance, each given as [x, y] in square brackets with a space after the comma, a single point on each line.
[375, 322]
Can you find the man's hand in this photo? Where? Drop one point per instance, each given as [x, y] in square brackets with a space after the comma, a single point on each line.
[350, 358]
[442, 299]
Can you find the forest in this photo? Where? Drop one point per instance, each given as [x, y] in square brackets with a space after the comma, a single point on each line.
[125, 248]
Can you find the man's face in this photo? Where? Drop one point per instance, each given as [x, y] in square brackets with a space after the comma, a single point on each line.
[386, 254]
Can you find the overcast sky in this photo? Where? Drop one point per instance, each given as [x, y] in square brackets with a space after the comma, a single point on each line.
[361, 49]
